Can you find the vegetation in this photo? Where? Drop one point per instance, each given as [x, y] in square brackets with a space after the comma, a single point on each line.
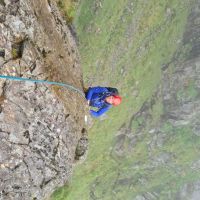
[68, 8]
[2, 2]
[124, 44]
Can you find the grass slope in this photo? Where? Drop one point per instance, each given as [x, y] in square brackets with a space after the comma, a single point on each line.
[124, 44]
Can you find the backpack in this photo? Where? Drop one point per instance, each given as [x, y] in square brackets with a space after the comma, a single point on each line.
[113, 91]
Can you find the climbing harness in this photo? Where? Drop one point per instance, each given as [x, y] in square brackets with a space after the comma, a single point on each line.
[72, 88]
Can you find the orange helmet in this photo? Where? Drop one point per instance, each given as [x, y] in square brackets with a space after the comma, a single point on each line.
[117, 100]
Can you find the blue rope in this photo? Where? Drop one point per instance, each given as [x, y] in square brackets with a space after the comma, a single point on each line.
[44, 81]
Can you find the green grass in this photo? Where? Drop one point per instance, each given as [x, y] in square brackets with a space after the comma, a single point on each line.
[126, 48]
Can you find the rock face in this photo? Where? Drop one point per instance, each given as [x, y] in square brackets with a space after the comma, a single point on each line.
[40, 125]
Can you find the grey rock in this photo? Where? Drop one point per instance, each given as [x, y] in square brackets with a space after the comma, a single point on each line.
[195, 165]
[147, 196]
[161, 159]
[190, 191]
[40, 125]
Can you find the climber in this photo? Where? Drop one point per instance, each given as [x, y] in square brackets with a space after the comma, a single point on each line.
[102, 98]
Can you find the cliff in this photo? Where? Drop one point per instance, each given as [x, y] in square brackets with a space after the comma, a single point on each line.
[40, 124]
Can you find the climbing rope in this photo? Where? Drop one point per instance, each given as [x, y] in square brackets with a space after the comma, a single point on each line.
[72, 88]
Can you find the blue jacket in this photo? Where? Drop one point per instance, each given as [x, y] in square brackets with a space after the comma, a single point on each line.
[96, 96]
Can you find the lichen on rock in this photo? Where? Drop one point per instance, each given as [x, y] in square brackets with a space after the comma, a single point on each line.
[40, 125]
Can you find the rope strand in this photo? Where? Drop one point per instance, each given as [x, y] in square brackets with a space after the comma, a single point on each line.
[72, 88]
